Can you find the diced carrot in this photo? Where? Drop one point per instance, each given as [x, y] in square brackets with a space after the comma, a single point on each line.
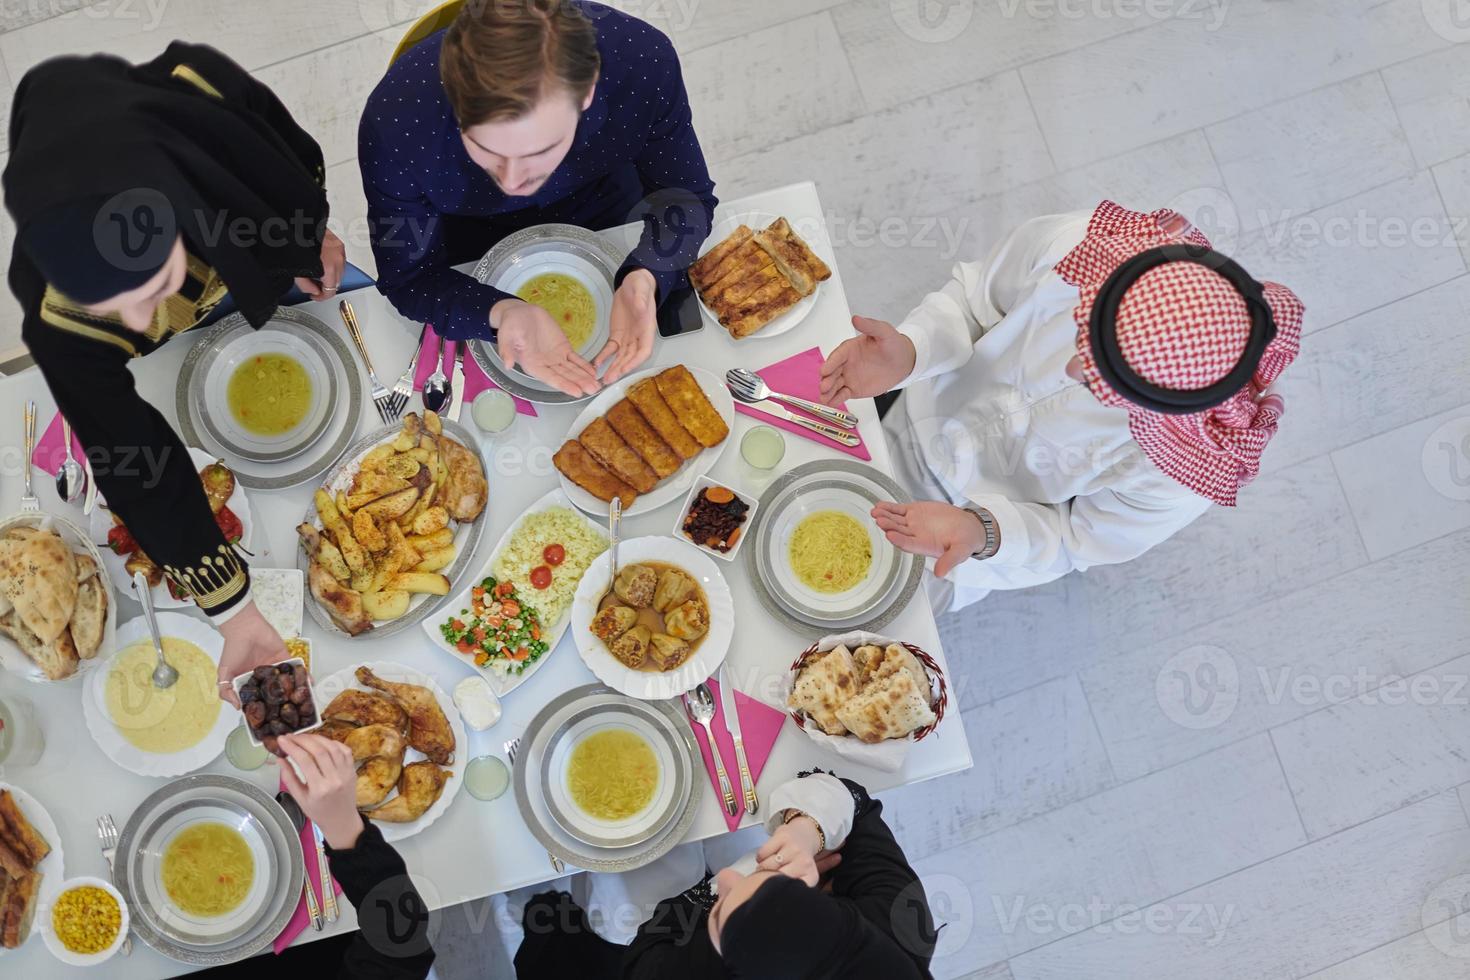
[719, 495]
[510, 608]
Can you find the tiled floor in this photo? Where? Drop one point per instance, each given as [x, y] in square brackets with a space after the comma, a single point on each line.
[1243, 755]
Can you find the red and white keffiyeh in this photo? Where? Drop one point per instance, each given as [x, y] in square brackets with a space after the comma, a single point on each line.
[1183, 326]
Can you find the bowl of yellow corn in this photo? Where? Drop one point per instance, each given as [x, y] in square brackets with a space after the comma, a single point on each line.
[85, 923]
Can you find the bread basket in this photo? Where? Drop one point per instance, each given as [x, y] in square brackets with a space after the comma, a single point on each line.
[887, 755]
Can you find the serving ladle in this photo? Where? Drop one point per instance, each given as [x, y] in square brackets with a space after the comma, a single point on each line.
[69, 478]
[164, 676]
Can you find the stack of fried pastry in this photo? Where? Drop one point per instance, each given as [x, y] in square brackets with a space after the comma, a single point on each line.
[53, 603]
[22, 848]
[752, 277]
[644, 438]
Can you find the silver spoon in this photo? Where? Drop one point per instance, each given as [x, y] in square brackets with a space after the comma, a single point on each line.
[298, 820]
[69, 478]
[163, 675]
[755, 386]
[614, 525]
[436, 385]
[700, 703]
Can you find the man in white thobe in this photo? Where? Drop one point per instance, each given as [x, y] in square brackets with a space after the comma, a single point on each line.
[1084, 393]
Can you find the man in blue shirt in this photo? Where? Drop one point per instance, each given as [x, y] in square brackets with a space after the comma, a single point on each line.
[518, 115]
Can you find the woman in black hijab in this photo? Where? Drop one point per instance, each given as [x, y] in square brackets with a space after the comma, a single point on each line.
[142, 197]
[769, 919]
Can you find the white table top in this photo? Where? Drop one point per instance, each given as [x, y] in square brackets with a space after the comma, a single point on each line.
[476, 848]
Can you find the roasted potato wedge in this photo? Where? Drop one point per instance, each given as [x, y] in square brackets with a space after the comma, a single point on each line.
[408, 556]
[367, 532]
[343, 506]
[431, 583]
[385, 605]
[433, 423]
[433, 519]
[441, 538]
[392, 506]
[402, 466]
[376, 457]
[336, 527]
[436, 560]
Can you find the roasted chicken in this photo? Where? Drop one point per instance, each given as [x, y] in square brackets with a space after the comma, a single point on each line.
[419, 787]
[428, 728]
[359, 708]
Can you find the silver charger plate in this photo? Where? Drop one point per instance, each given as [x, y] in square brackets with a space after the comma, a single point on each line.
[891, 599]
[260, 818]
[466, 536]
[680, 776]
[341, 417]
[587, 249]
[563, 845]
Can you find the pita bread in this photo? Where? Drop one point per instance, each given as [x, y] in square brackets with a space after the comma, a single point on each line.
[90, 618]
[891, 707]
[894, 659]
[86, 567]
[57, 659]
[823, 685]
[38, 574]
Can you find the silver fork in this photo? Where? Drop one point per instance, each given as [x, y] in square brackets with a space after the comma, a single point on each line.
[511, 748]
[382, 397]
[28, 499]
[403, 387]
[755, 386]
[107, 835]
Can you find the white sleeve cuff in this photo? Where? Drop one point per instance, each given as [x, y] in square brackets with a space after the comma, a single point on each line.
[826, 799]
[219, 619]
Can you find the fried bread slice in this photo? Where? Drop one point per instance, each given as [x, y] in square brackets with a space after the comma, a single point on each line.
[629, 423]
[613, 452]
[583, 469]
[651, 405]
[690, 405]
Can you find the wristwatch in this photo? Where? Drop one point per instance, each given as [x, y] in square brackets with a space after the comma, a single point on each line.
[992, 533]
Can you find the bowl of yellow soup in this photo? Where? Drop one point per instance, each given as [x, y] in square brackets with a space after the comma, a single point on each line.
[610, 777]
[268, 392]
[152, 731]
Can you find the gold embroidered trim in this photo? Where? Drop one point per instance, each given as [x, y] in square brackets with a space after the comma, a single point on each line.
[60, 312]
[185, 73]
[216, 580]
[176, 314]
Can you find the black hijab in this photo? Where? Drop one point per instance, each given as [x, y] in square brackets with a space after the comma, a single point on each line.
[134, 155]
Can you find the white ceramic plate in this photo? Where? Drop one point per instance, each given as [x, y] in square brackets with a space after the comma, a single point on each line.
[757, 220]
[503, 684]
[101, 522]
[829, 605]
[692, 672]
[675, 486]
[346, 679]
[466, 535]
[629, 831]
[12, 659]
[273, 338]
[578, 268]
[52, 866]
[106, 733]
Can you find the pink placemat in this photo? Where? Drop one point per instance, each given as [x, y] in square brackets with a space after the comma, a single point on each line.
[759, 726]
[800, 375]
[49, 452]
[475, 380]
[301, 920]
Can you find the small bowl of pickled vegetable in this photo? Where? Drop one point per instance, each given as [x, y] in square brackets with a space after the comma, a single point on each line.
[86, 923]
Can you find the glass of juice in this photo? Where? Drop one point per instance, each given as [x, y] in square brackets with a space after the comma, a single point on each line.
[493, 410]
[486, 777]
[241, 753]
[763, 447]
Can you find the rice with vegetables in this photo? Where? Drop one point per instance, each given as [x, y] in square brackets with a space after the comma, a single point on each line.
[529, 559]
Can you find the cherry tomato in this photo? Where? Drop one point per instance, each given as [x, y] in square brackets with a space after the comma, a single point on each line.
[229, 524]
[121, 541]
[554, 554]
[541, 577]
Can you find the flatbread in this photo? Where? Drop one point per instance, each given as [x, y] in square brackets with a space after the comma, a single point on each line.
[38, 574]
[90, 619]
[892, 660]
[893, 707]
[823, 686]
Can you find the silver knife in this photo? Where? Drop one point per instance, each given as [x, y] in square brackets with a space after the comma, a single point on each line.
[324, 871]
[830, 431]
[89, 502]
[456, 383]
[732, 725]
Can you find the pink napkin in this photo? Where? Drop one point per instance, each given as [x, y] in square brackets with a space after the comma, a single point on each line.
[759, 726]
[800, 375]
[50, 453]
[301, 921]
[475, 380]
